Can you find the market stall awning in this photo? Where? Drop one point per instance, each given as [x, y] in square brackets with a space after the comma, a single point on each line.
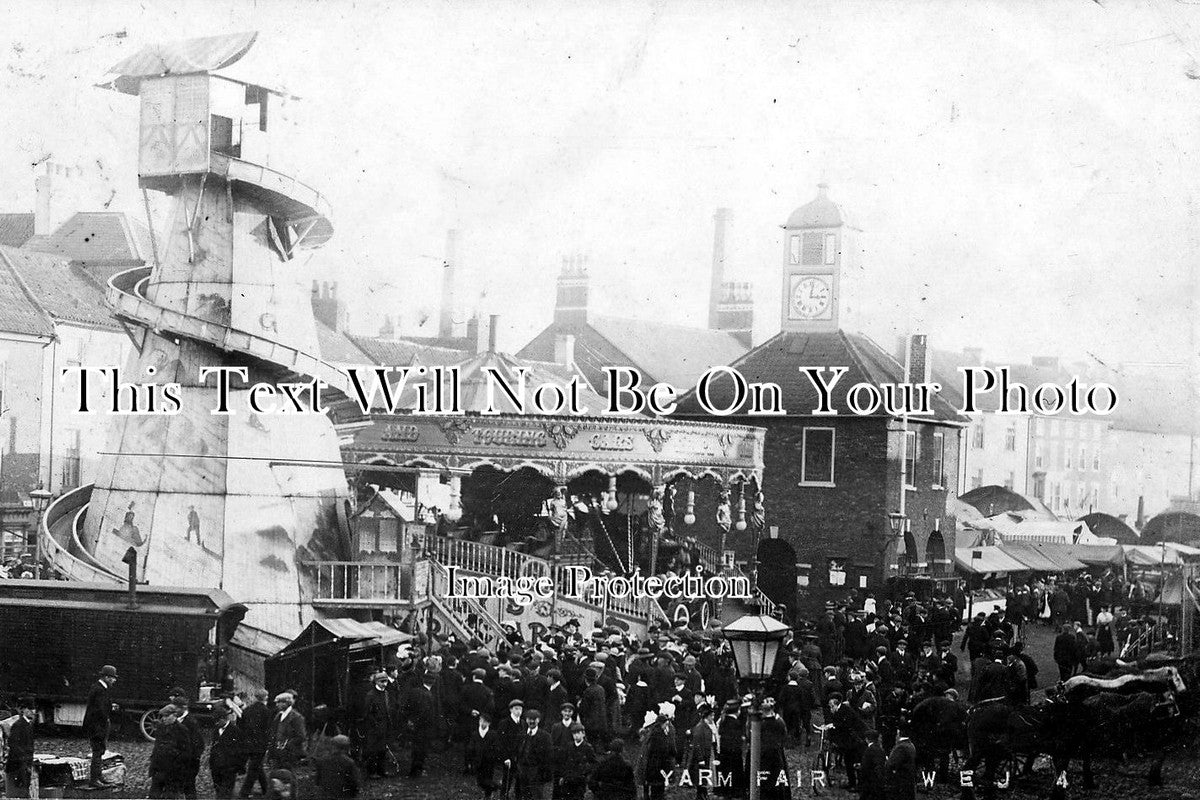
[982, 560]
[1043, 556]
[344, 631]
[1093, 554]
[1151, 555]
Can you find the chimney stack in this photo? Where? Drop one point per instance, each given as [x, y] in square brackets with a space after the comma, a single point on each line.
[326, 306]
[482, 326]
[918, 358]
[61, 191]
[721, 221]
[449, 286]
[564, 349]
[735, 311]
[493, 329]
[571, 305]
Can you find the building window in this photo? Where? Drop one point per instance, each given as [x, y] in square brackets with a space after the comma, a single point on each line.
[910, 458]
[1096, 460]
[939, 459]
[1039, 487]
[816, 457]
[1056, 497]
[1010, 480]
[977, 479]
[1083, 462]
[1038, 460]
[814, 248]
[794, 249]
[1010, 438]
[70, 461]
[977, 436]
[837, 572]
[1068, 454]
[830, 248]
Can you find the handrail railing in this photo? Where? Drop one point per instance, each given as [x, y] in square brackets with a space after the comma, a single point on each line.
[485, 559]
[66, 511]
[125, 295]
[369, 583]
[470, 616]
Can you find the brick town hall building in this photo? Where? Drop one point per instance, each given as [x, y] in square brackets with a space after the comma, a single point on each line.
[832, 484]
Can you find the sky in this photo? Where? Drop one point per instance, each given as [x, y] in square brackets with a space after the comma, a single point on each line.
[1025, 174]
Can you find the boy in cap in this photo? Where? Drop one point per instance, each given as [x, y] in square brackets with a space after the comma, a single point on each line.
[171, 747]
[337, 775]
[574, 763]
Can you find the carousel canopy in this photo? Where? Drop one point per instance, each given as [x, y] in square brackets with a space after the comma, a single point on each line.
[1106, 526]
[992, 500]
[1172, 526]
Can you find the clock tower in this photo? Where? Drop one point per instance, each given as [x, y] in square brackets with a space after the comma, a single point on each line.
[815, 238]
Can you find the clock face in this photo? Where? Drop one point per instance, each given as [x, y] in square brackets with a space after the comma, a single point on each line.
[811, 297]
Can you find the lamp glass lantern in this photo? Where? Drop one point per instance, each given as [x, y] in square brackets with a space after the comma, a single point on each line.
[896, 521]
[755, 640]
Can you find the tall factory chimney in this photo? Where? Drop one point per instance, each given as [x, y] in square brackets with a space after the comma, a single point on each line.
[449, 281]
[716, 292]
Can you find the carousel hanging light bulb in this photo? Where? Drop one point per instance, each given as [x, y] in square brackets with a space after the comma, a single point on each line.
[611, 503]
[689, 517]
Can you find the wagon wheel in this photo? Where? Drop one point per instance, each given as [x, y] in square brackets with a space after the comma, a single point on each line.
[147, 724]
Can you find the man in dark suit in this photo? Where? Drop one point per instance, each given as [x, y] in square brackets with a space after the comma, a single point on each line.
[419, 713]
[254, 729]
[483, 754]
[194, 752]
[18, 769]
[534, 759]
[871, 772]
[288, 734]
[337, 775]
[900, 781]
[376, 725]
[225, 756]
[475, 700]
[96, 719]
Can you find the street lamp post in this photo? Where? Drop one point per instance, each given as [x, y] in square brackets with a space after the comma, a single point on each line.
[755, 640]
[41, 501]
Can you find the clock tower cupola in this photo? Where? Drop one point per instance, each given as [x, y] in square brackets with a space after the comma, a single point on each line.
[815, 239]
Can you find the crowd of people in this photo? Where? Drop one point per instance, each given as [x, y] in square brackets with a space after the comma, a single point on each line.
[866, 694]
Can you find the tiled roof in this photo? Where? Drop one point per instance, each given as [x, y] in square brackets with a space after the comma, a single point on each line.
[1161, 404]
[97, 236]
[778, 361]
[337, 348]
[19, 313]
[677, 354]
[15, 229]
[62, 290]
[402, 352]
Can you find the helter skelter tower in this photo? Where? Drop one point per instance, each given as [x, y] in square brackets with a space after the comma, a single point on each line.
[236, 501]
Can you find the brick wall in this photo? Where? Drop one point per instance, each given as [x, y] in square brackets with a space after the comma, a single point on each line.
[848, 521]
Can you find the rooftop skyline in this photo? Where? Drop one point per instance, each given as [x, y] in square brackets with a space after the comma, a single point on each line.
[1023, 173]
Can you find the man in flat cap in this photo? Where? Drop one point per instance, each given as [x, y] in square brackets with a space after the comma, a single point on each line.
[509, 732]
[96, 721]
[288, 734]
[574, 762]
[375, 725]
[535, 758]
